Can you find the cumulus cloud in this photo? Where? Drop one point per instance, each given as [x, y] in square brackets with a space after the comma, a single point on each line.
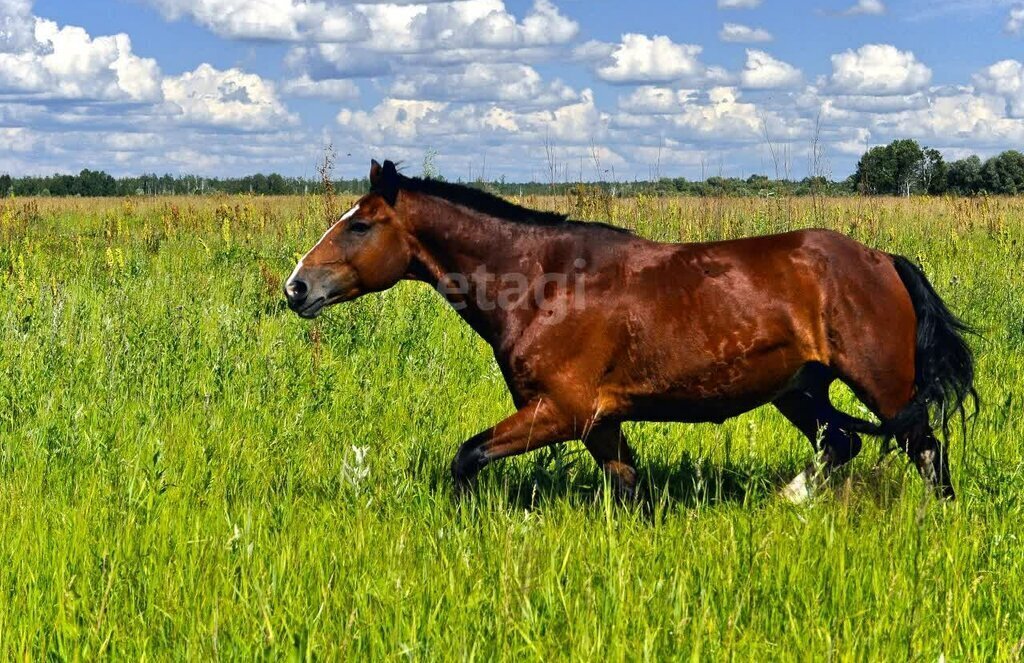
[962, 119]
[16, 25]
[878, 69]
[718, 115]
[277, 20]
[331, 89]
[874, 104]
[483, 24]
[385, 27]
[866, 8]
[229, 99]
[1015, 21]
[642, 59]
[481, 82]
[763, 72]
[1005, 79]
[738, 4]
[66, 63]
[439, 34]
[742, 34]
[414, 122]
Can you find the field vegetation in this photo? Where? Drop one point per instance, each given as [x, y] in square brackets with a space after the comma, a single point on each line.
[190, 471]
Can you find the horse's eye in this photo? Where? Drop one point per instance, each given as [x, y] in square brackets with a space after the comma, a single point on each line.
[359, 227]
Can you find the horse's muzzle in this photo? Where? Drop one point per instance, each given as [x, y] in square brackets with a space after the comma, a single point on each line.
[309, 296]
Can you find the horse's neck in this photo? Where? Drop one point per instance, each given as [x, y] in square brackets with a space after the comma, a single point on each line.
[469, 256]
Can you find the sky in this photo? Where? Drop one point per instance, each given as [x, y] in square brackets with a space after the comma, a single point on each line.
[521, 89]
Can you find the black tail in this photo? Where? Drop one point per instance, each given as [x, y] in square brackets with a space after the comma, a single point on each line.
[944, 380]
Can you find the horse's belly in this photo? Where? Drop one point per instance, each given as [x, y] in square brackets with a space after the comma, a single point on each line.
[689, 410]
[710, 393]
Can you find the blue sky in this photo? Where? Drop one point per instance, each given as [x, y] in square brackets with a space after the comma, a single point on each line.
[510, 88]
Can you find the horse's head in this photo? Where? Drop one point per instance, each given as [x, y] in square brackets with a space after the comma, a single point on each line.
[366, 250]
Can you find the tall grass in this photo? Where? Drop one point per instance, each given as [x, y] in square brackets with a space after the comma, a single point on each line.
[189, 471]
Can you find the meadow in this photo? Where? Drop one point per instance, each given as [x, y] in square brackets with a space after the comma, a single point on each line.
[190, 471]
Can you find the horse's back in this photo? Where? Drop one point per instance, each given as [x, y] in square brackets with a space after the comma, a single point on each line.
[726, 326]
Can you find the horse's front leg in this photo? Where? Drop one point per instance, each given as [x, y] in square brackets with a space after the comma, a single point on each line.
[607, 444]
[537, 424]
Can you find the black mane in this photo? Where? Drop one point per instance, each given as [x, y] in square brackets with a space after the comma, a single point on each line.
[486, 203]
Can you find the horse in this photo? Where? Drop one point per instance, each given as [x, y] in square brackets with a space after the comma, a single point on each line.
[593, 326]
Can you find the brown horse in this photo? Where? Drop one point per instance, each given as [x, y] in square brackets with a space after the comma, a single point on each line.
[593, 326]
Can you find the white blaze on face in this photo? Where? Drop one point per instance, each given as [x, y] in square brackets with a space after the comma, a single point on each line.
[344, 217]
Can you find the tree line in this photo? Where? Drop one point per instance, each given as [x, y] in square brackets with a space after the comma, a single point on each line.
[901, 168]
[905, 168]
[99, 183]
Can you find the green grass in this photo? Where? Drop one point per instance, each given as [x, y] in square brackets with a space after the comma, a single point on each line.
[189, 471]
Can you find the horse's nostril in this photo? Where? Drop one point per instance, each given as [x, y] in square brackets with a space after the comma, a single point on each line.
[296, 290]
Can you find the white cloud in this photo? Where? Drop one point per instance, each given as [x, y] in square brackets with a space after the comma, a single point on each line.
[884, 104]
[878, 69]
[66, 63]
[866, 8]
[1005, 79]
[653, 100]
[278, 20]
[477, 82]
[397, 120]
[1015, 21]
[16, 23]
[763, 72]
[384, 27]
[400, 37]
[738, 4]
[332, 89]
[131, 152]
[412, 122]
[642, 59]
[742, 34]
[719, 115]
[230, 99]
[485, 24]
[959, 119]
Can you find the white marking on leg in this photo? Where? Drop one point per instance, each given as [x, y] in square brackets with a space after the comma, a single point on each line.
[798, 491]
[927, 464]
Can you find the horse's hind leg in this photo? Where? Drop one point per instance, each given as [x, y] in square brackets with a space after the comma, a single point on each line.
[808, 408]
[887, 394]
[930, 457]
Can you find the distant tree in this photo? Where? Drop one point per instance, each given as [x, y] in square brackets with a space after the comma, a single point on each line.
[874, 172]
[5, 185]
[1004, 173]
[907, 159]
[93, 183]
[934, 176]
[964, 177]
[900, 168]
[276, 185]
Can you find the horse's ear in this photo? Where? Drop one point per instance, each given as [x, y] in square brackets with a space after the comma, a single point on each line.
[384, 181]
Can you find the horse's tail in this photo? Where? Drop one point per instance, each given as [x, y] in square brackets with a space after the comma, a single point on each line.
[944, 364]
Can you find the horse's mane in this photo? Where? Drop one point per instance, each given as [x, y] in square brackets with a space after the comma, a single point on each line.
[489, 204]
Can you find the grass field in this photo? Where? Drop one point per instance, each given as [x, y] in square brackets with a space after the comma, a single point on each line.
[190, 471]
